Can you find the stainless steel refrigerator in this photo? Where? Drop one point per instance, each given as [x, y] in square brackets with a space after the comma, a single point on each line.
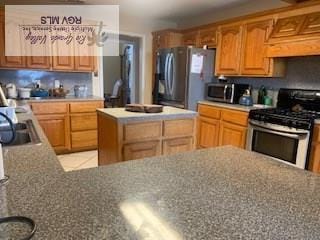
[181, 76]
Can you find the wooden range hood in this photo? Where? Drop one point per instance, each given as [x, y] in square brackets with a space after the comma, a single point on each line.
[295, 36]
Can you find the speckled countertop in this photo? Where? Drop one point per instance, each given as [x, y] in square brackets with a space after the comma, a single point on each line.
[123, 116]
[221, 193]
[234, 106]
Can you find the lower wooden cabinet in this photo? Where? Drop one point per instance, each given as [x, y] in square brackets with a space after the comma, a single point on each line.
[141, 150]
[68, 127]
[232, 134]
[314, 162]
[56, 128]
[173, 146]
[209, 129]
[219, 127]
[135, 140]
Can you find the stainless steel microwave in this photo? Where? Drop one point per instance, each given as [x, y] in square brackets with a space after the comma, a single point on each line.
[225, 92]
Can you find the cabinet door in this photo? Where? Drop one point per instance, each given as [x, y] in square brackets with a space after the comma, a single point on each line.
[208, 37]
[191, 38]
[314, 164]
[141, 150]
[84, 140]
[311, 24]
[84, 59]
[38, 62]
[63, 56]
[229, 50]
[254, 60]
[231, 134]
[56, 128]
[288, 27]
[8, 61]
[177, 145]
[208, 132]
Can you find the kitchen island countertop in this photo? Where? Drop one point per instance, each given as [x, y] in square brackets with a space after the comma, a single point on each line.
[218, 193]
[123, 116]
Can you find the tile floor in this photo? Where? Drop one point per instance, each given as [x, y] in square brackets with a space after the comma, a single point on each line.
[78, 161]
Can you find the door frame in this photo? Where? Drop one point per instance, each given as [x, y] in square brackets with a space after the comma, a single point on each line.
[97, 85]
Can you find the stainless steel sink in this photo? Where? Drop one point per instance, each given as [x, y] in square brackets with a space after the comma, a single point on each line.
[25, 134]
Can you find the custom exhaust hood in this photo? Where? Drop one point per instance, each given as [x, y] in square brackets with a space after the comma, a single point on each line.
[295, 36]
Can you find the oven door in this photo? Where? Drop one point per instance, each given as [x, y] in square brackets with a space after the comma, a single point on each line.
[279, 142]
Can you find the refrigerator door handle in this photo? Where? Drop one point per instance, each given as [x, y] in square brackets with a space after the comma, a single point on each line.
[172, 72]
[169, 74]
[166, 74]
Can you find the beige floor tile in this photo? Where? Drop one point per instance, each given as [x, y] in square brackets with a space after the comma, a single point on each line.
[72, 161]
[88, 154]
[92, 163]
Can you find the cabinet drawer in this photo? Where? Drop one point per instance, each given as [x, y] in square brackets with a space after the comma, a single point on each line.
[176, 128]
[209, 111]
[316, 133]
[139, 131]
[81, 107]
[236, 117]
[83, 122]
[49, 108]
[141, 150]
[177, 145]
[84, 139]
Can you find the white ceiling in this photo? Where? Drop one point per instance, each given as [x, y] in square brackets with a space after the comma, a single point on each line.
[173, 10]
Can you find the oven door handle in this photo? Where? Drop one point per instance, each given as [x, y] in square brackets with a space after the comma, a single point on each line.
[293, 134]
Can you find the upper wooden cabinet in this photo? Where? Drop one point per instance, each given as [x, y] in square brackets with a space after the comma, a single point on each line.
[287, 27]
[229, 50]
[242, 51]
[166, 39]
[208, 37]
[38, 62]
[311, 24]
[254, 60]
[191, 38]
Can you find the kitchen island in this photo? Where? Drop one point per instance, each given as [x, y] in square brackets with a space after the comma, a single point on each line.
[124, 135]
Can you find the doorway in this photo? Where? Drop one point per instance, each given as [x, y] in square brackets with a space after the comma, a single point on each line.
[123, 69]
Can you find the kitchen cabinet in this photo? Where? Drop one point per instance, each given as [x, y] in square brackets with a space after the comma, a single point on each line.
[232, 134]
[38, 62]
[85, 62]
[254, 60]
[123, 141]
[191, 38]
[208, 37]
[242, 51]
[287, 27]
[229, 49]
[167, 39]
[219, 126]
[314, 162]
[209, 132]
[68, 127]
[56, 128]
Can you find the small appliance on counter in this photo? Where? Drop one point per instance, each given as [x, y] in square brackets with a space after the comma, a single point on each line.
[246, 99]
[285, 132]
[11, 90]
[58, 92]
[225, 92]
[80, 91]
[39, 92]
[24, 93]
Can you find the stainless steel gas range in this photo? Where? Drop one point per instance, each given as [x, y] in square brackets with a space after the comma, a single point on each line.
[284, 133]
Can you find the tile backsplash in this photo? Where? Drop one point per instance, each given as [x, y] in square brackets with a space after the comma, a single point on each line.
[302, 73]
[26, 78]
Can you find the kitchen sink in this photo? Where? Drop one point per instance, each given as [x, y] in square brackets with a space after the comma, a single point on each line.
[25, 134]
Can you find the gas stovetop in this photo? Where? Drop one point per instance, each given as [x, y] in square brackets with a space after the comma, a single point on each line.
[286, 117]
[296, 108]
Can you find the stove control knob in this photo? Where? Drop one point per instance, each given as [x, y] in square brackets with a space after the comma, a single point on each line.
[294, 124]
[262, 118]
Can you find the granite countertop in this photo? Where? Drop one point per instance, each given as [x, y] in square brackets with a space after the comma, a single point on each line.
[67, 98]
[123, 116]
[234, 106]
[219, 193]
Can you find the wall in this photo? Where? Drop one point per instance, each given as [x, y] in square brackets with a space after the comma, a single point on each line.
[111, 72]
[25, 78]
[302, 73]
